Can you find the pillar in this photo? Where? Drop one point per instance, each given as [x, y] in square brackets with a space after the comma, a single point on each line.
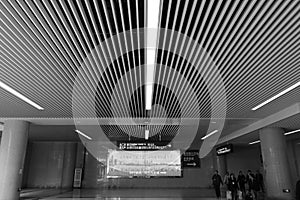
[68, 165]
[222, 165]
[276, 166]
[12, 153]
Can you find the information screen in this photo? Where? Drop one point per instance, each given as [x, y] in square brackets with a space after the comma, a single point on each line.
[143, 164]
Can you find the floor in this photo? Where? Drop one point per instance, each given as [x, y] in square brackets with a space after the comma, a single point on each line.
[118, 194]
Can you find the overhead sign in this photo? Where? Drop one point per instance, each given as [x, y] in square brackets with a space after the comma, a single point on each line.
[144, 146]
[224, 149]
[190, 159]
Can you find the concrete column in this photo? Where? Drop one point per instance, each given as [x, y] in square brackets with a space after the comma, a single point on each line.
[221, 165]
[12, 153]
[273, 147]
[68, 165]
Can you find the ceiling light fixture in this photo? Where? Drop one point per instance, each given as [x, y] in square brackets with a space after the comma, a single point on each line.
[255, 142]
[84, 135]
[291, 132]
[208, 135]
[152, 24]
[276, 96]
[146, 134]
[19, 95]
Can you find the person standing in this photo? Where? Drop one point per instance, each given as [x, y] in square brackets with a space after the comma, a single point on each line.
[260, 181]
[241, 182]
[233, 186]
[250, 178]
[226, 180]
[217, 181]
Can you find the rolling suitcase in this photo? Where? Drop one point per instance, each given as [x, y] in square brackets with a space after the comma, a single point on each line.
[249, 196]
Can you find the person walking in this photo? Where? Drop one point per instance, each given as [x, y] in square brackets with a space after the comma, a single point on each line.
[233, 186]
[241, 182]
[225, 180]
[250, 178]
[217, 181]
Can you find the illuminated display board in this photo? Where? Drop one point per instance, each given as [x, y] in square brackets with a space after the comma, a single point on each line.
[143, 146]
[143, 164]
[224, 149]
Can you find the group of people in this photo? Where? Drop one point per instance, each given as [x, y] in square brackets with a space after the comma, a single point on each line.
[238, 185]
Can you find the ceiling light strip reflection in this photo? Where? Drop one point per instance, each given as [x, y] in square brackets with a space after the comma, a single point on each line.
[292, 132]
[20, 96]
[255, 142]
[84, 135]
[210, 134]
[276, 96]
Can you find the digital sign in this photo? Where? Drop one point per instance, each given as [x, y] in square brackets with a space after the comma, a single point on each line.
[190, 159]
[224, 149]
[130, 164]
[144, 146]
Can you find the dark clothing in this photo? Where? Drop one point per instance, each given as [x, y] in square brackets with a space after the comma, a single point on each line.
[233, 187]
[298, 190]
[218, 191]
[250, 179]
[260, 182]
[242, 181]
[217, 181]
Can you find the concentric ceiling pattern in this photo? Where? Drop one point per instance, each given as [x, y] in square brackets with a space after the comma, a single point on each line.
[254, 44]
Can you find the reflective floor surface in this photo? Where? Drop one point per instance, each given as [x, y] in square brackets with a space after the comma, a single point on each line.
[119, 194]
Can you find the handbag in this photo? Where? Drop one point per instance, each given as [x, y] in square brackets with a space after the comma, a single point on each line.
[228, 195]
[240, 195]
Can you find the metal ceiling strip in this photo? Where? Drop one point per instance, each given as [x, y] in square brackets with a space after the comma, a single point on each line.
[66, 61]
[166, 78]
[122, 111]
[176, 47]
[157, 97]
[188, 48]
[13, 49]
[248, 46]
[24, 81]
[139, 107]
[100, 57]
[130, 91]
[67, 36]
[107, 47]
[126, 92]
[262, 53]
[25, 47]
[183, 92]
[86, 70]
[95, 74]
[282, 57]
[71, 68]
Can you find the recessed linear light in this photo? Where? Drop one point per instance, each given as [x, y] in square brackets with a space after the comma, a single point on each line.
[152, 23]
[146, 134]
[19, 95]
[291, 132]
[149, 91]
[84, 135]
[208, 135]
[276, 96]
[255, 142]
[152, 13]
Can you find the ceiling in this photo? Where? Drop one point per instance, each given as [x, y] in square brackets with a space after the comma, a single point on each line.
[253, 46]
